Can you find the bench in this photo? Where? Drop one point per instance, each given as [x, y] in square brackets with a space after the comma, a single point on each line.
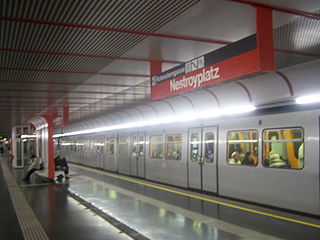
[44, 173]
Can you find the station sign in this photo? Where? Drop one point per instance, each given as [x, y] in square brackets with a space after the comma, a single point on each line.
[239, 59]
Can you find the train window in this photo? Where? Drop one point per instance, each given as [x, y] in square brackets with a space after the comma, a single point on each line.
[242, 148]
[86, 146]
[135, 146]
[173, 147]
[283, 148]
[209, 147]
[59, 144]
[123, 146]
[99, 146]
[92, 146]
[156, 147]
[111, 144]
[79, 145]
[194, 147]
[73, 146]
[141, 146]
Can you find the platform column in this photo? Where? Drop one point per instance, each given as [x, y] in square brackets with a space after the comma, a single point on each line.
[49, 118]
[155, 68]
[264, 28]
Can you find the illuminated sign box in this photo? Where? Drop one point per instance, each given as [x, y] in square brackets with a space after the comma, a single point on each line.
[235, 60]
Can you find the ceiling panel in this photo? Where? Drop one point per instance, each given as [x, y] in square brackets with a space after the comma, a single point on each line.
[42, 66]
[37, 69]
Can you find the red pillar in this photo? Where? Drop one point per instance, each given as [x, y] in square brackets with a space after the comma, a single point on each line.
[264, 30]
[155, 68]
[65, 115]
[49, 118]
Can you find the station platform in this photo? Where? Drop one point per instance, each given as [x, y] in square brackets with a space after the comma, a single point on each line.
[96, 204]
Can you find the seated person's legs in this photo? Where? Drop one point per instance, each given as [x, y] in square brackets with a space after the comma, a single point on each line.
[65, 167]
[28, 175]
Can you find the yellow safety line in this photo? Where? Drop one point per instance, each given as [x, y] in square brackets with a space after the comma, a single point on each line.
[201, 198]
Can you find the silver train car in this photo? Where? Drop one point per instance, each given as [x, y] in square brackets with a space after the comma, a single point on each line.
[268, 156]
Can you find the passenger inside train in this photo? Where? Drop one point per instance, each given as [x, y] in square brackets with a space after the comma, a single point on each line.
[209, 147]
[275, 160]
[234, 158]
[242, 148]
[301, 155]
[248, 159]
[172, 147]
[283, 148]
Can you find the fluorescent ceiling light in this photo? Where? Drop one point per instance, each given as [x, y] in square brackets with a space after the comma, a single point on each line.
[28, 136]
[238, 109]
[185, 117]
[308, 99]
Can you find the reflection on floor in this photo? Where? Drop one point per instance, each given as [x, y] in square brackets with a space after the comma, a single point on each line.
[154, 213]
[161, 215]
[142, 213]
[62, 217]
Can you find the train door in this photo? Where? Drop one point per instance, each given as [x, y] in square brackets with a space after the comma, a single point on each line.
[80, 144]
[124, 154]
[111, 164]
[100, 149]
[138, 155]
[86, 152]
[201, 159]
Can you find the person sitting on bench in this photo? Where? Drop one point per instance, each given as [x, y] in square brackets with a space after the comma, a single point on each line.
[62, 164]
[35, 165]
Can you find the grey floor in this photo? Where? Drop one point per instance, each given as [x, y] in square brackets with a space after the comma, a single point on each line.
[9, 225]
[61, 216]
[161, 215]
[154, 213]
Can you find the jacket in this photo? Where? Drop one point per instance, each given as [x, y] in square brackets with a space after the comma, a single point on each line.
[35, 164]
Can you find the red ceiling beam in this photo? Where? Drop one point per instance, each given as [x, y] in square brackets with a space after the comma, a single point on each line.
[119, 30]
[87, 55]
[298, 53]
[44, 106]
[74, 107]
[223, 42]
[19, 114]
[75, 72]
[69, 92]
[75, 84]
[122, 58]
[37, 103]
[20, 110]
[134, 86]
[41, 110]
[280, 9]
[57, 103]
[65, 98]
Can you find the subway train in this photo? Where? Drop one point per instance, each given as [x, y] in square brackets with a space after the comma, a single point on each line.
[252, 139]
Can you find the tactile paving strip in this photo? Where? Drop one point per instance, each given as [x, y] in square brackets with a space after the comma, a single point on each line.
[30, 225]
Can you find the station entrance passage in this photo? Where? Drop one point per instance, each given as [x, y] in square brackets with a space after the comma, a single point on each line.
[202, 167]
